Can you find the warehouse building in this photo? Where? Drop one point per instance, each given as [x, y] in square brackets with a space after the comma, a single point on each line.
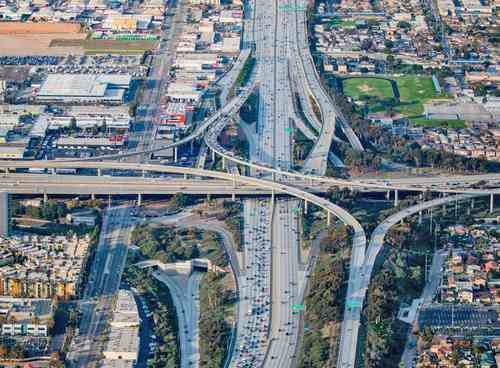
[179, 92]
[123, 343]
[84, 88]
[89, 142]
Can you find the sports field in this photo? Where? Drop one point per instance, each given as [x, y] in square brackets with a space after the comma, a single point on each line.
[373, 87]
[414, 91]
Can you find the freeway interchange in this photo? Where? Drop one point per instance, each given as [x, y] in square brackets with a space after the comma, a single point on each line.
[272, 277]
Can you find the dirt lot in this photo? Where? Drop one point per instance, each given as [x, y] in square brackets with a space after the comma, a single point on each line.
[118, 46]
[37, 28]
[40, 44]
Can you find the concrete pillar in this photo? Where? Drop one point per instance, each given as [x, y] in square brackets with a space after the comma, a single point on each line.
[53, 171]
[92, 196]
[396, 198]
[492, 202]
[185, 176]
[272, 195]
[456, 208]
[139, 199]
[472, 203]
[143, 173]
[233, 197]
[234, 182]
[430, 222]
[4, 214]
[328, 218]
[444, 209]
[388, 195]
[45, 196]
[208, 197]
[99, 172]
[306, 203]
[175, 154]
[213, 155]
[420, 217]
[223, 163]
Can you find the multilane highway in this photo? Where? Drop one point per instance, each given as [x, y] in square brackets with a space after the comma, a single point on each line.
[360, 279]
[104, 281]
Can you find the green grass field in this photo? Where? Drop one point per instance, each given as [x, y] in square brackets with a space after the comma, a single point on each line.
[372, 87]
[434, 123]
[414, 90]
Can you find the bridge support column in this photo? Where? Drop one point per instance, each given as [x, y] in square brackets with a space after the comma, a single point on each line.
[92, 196]
[396, 198]
[143, 173]
[388, 195]
[53, 171]
[306, 203]
[213, 155]
[223, 163]
[234, 182]
[272, 195]
[139, 199]
[492, 203]
[420, 217]
[444, 209]
[456, 208]
[185, 176]
[430, 221]
[233, 197]
[328, 218]
[99, 172]
[472, 203]
[45, 197]
[175, 154]
[209, 197]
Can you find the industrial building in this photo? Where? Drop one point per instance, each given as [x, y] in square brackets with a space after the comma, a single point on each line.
[84, 88]
[123, 343]
[4, 214]
[89, 142]
[180, 92]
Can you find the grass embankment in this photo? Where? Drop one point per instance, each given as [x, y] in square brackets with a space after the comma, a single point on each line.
[217, 308]
[164, 318]
[325, 300]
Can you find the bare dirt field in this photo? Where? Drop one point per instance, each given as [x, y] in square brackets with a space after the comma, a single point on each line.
[40, 44]
[36, 28]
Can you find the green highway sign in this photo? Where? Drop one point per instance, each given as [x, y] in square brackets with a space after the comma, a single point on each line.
[351, 303]
[288, 130]
[292, 8]
[296, 210]
[298, 306]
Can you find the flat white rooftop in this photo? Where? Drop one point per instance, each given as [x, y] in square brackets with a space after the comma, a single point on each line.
[77, 85]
